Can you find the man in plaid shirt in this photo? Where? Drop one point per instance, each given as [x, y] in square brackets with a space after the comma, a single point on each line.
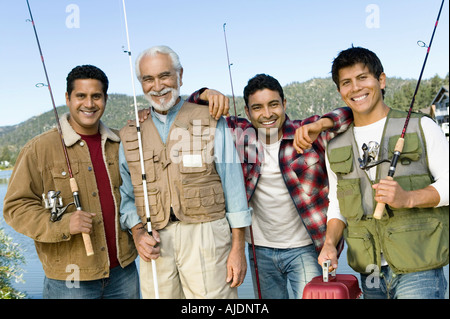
[287, 190]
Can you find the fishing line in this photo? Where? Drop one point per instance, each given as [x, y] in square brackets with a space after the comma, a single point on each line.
[236, 123]
[379, 209]
[72, 181]
[141, 156]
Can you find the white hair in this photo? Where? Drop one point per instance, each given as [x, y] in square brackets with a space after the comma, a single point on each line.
[162, 49]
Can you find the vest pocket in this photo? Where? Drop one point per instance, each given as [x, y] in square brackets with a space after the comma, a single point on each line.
[134, 166]
[416, 245]
[360, 251]
[204, 199]
[412, 149]
[341, 160]
[192, 163]
[154, 199]
[412, 182]
[349, 196]
[61, 179]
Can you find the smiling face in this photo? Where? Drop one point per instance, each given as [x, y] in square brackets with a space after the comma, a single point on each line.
[266, 110]
[86, 105]
[361, 91]
[160, 81]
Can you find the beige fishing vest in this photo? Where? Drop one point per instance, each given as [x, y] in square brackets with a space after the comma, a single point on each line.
[411, 240]
[181, 174]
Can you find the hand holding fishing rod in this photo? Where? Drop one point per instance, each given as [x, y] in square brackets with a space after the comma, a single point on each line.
[141, 156]
[72, 181]
[400, 142]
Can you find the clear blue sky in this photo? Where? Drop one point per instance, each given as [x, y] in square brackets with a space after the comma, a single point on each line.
[292, 40]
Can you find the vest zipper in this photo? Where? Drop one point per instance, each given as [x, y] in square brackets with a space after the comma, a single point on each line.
[168, 181]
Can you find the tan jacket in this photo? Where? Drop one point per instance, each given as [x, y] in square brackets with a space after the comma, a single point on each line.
[41, 167]
[181, 174]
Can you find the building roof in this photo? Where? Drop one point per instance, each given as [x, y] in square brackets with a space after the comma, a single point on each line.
[443, 93]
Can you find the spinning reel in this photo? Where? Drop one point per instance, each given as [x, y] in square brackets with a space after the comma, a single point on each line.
[53, 201]
[369, 156]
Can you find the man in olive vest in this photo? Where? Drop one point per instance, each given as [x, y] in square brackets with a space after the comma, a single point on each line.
[195, 190]
[402, 254]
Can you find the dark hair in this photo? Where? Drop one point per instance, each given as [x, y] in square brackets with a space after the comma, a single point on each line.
[355, 55]
[260, 82]
[86, 72]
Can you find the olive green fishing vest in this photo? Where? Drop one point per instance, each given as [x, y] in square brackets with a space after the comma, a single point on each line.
[411, 240]
[181, 174]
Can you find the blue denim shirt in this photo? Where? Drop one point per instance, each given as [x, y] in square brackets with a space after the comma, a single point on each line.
[227, 164]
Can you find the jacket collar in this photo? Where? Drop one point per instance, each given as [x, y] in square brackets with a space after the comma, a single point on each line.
[71, 137]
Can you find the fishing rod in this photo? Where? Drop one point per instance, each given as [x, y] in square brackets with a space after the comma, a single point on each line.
[400, 142]
[72, 181]
[141, 156]
[229, 71]
[235, 115]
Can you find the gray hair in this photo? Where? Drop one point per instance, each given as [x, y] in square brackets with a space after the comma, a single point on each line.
[155, 50]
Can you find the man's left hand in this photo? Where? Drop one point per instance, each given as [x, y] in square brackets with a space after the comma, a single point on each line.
[218, 103]
[236, 268]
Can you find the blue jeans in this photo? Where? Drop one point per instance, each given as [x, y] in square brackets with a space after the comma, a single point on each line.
[429, 284]
[277, 267]
[122, 283]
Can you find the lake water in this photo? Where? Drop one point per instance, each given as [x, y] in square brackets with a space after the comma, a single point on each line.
[33, 275]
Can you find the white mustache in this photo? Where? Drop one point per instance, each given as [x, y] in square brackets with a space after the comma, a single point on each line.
[161, 93]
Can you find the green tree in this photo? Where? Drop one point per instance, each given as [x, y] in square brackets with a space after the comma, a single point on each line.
[10, 260]
[5, 154]
[402, 96]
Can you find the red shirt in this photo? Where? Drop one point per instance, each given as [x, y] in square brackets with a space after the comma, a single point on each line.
[105, 194]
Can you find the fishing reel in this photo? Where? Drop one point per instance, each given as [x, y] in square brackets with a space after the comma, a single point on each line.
[370, 153]
[53, 201]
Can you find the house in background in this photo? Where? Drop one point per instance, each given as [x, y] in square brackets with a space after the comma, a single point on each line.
[440, 103]
[441, 109]
[438, 109]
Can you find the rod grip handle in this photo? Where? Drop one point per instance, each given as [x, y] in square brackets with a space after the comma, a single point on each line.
[73, 185]
[379, 209]
[86, 238]
[88, 244]
[399, 145]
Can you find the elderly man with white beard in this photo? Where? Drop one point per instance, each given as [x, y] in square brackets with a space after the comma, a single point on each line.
[195, 190]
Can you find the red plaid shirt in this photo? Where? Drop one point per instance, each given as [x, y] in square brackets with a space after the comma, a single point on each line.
[305, 174]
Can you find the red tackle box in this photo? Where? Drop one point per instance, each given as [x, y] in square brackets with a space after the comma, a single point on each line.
[332, 287]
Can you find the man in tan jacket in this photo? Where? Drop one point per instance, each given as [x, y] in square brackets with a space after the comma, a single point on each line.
[41, 167]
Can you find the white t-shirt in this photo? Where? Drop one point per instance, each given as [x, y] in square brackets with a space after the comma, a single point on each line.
[275, 219]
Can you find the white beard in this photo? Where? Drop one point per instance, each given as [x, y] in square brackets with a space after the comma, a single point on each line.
[164, 105]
